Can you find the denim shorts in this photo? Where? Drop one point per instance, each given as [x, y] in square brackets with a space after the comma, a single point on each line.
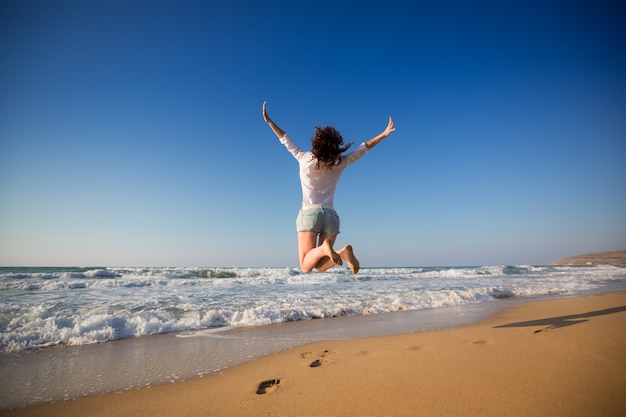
[319, 220]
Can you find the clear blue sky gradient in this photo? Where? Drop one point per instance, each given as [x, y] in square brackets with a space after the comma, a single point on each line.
[131, 131]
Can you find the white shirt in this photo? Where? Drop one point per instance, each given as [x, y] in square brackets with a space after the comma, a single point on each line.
[318, 185]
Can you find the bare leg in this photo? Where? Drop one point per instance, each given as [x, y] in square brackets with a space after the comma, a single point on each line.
[331, 257]
[321, 257]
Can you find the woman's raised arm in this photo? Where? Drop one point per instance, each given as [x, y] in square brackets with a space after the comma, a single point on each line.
[277, 130]
[375, 140]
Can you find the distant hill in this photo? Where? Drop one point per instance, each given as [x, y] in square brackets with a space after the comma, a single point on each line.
[617, 257]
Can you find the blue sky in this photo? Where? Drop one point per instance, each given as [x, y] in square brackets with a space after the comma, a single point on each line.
[131, 131]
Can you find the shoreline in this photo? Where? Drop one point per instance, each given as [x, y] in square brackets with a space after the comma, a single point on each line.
[562, 356]
[40, 376]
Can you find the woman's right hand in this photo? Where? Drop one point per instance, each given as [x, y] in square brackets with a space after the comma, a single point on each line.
[277, 130]
[265, 116]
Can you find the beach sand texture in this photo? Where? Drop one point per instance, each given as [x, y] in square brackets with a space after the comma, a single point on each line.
[564, 357]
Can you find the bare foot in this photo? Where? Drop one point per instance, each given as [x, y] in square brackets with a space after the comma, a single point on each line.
[352, 261]
[330, 252]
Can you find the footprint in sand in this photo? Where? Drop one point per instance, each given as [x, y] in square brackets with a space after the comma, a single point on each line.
[544, 330]
[268, 386]
[319, 362]
[322, 358]
[417, 348]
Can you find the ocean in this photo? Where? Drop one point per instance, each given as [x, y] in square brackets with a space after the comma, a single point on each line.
[43, 307]
[71, 332]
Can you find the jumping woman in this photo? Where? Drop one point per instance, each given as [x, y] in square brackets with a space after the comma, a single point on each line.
[320, 169]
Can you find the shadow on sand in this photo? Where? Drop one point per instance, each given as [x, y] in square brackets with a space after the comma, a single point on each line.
[564, 321]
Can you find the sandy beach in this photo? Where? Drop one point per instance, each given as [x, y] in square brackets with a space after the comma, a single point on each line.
[563, 357]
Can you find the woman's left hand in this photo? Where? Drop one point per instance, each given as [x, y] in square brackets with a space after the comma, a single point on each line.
[390, 128]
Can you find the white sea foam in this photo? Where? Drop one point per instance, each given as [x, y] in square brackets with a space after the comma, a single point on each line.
[80, 306]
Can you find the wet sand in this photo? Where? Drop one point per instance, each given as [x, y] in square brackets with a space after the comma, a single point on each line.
[545, 358]
[67, 372]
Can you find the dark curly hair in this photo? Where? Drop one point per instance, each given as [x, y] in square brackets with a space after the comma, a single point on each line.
[326, 147]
